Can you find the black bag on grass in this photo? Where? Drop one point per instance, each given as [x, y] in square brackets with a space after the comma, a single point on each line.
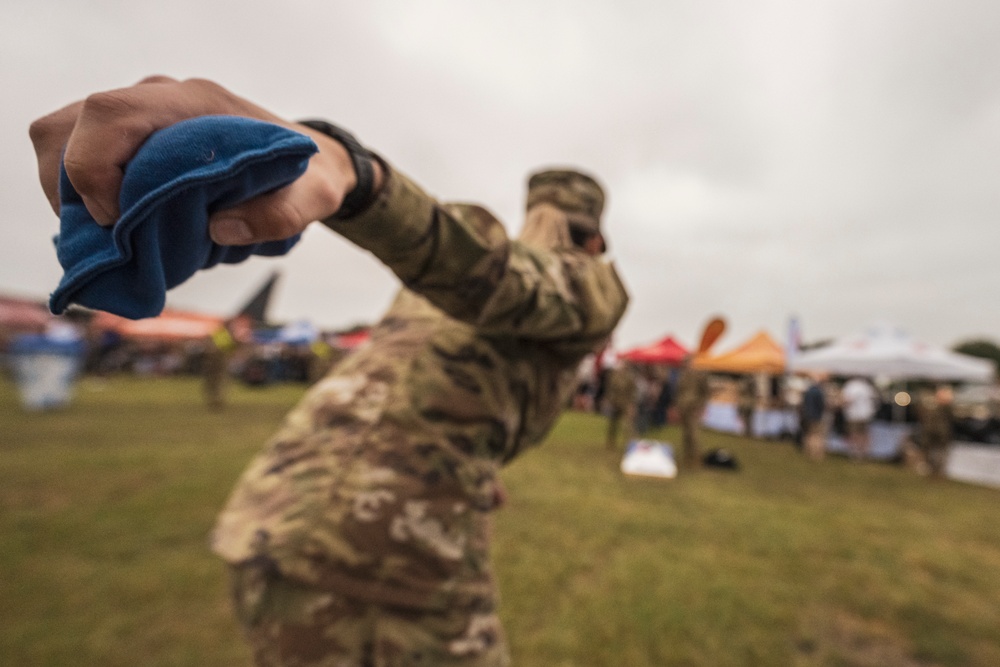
[720, 458]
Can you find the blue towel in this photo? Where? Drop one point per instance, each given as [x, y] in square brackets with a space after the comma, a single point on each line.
[179, 177]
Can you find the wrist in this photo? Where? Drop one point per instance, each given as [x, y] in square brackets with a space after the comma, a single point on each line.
[362, 172]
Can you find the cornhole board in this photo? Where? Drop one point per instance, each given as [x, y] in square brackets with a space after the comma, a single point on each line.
[649, 458]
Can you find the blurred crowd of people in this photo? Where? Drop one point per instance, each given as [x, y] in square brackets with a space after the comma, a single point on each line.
[255, 364]
[216, 358]
[638, 397]
[635, 398]
[852, 406]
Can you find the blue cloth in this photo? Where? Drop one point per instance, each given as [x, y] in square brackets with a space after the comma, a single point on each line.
[179, 177]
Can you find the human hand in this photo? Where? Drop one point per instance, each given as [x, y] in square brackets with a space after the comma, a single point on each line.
[103, 132]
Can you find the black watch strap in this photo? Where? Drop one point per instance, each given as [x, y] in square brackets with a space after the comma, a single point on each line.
[363, 193]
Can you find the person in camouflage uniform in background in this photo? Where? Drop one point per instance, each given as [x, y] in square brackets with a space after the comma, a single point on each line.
[360, 535]
[620, 402]
[934, 433]
[693, 393]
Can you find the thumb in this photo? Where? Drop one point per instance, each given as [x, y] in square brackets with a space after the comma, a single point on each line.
[270, 217]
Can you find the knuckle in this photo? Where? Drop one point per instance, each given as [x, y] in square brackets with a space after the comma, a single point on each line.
[203, 86]
[199, 81]
[41, 129]
[158, 78]
[53, 130]
[111, 103]
[214, 98]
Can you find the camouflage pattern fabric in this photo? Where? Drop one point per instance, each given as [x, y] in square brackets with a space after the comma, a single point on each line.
[577, 194]
[935, 421]
[378, 486]
[935, 432]
[693, 392]
[620, 399]
[288, 624]
[622, 390]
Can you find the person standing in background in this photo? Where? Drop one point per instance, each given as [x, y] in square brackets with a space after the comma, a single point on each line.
[812, 419]
[934, 415]
[693, 393]
[860, 403]
[620, 398]
[747, 403]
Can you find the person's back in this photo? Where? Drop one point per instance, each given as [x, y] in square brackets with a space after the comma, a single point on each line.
[390, 463]
[813, 404]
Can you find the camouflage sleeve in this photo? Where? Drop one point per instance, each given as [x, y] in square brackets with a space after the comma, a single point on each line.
[460, 258]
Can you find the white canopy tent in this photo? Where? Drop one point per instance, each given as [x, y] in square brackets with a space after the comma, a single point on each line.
[889, 353]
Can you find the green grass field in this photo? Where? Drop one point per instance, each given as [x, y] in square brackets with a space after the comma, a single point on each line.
[105, 509]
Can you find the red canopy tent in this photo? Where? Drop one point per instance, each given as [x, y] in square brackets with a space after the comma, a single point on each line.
[23, 315]
[667, 352]
[355, 339]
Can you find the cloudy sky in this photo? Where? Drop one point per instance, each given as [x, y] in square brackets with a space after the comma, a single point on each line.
[833, 160]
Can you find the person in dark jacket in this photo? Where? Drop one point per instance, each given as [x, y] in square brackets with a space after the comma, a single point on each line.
[812, 420]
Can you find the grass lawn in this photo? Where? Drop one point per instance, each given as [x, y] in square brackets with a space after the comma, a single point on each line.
[105, 508]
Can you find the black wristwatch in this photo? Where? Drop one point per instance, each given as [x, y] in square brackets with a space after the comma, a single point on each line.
[358, 199]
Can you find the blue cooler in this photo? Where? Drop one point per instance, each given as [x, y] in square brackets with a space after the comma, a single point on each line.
[45, 369]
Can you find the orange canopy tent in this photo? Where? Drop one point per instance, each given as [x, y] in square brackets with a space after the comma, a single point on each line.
[666, 351]
[171, 325]
[760, 354]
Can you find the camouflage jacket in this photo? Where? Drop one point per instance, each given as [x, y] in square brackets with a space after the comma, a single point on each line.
[693, 391]
[622, 389]
[380, 482]
[935, 421]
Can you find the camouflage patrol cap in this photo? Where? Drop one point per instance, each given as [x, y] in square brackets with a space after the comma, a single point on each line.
[573, 192]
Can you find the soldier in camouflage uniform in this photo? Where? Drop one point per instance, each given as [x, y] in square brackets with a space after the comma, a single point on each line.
[693, 393]
[360, 534]
[370, 506]
[620, 402]
[934, 415]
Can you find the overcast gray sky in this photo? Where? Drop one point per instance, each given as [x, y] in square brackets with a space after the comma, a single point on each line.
[835, 160]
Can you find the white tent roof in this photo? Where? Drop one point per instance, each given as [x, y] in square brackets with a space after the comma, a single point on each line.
[887, 352]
